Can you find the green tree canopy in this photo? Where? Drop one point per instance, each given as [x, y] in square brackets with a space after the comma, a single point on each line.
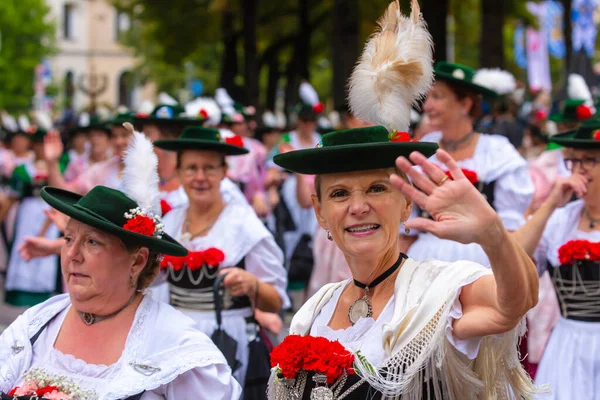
[26, 37]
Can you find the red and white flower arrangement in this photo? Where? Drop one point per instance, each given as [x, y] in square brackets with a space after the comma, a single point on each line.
[313, 354]
[578, 250]
[195, 260]
[40, 384]
[144, 222]
[469, 174]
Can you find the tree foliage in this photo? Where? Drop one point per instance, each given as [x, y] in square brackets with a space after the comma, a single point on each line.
[26, 37]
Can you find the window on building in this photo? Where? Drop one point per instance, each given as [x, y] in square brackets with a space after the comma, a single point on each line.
[68, 13]
[122, 24]
[69, 89]
[126, 89]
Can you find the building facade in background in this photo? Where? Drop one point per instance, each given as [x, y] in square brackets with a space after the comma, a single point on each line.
[90, 63]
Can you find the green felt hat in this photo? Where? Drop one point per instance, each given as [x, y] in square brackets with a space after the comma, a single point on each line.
[121, 118]
[169, 114]
[94, 124]
[199, 138]
[104, 209]
[587, 136]
[461, 75]
[350, 150]
[572, 111]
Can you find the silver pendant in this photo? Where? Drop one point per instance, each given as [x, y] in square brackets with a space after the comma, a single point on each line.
[321, 392]
[88, 318]
[361, 308]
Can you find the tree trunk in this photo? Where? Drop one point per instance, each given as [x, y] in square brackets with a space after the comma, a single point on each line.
[250, 56]
[303, 41]
[435, 12]
[273, 82]
[229, 65]
[567, 29]
[491, 43]
[345, 48]
[292, 83]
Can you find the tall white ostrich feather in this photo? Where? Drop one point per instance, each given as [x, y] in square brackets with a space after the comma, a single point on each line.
[578, 89]
[84, 119]
[308, 94]
[210, 106]
[225, 101]
[395, 69]
[23, 122]
[496, 79]
[140, 176]
[166, 99]
[42, 120]
[9, 123]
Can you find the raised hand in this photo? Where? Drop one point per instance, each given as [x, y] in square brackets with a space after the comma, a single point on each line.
[53, 147]
[34, 247]
[460, 213]
[564, 188]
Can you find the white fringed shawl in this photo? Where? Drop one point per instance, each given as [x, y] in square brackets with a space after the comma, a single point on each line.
[416, 347]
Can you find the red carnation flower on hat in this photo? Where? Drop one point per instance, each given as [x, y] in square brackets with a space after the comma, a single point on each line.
[142, 114]
[596, 134]
[141, 224]
[165, 207]
[318, 108]
[203, 113]
[583, 112]
[400, 137]
[235, 141]
[541, 114]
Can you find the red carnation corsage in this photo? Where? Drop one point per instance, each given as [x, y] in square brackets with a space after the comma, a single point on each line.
[235, 141]
[596, 134]
[470, 175]
[400, 137]
[318, 108]
[583, 112]
[203, 114]
[143, 222]
[212, 257]
[578, 250]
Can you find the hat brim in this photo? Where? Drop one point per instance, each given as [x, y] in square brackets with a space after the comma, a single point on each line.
[65, 202]
[168, 121]
[350, 157]
[485, 92]
[189, 144]
[569, 140]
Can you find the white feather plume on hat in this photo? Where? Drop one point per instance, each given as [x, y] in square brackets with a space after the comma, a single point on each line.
[42, 120]
[210, 106]
[496, 79]
[166, 99]
[84, 119]
[140, 176]
[308, 94]
[269, 119]
[8, 122]
[394, 71]
[225, 101]
[577, 89]
[23, 123]
[145, 108]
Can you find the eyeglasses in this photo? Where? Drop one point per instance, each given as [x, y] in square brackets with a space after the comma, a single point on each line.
[586, 163]
[207, 170]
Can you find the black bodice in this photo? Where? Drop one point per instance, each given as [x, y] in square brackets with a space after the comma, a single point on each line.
[577, 288]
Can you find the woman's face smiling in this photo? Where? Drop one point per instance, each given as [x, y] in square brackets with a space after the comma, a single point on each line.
[362, 210]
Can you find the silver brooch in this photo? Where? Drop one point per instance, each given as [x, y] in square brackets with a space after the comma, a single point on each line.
[16, 349]
[144, 369]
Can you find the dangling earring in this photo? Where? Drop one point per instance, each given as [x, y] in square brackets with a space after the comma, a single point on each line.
[406, 230]
[132, 282]
[329, 237]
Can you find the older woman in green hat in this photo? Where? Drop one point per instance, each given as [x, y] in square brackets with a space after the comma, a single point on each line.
[107, 339]
[223, 238]
[495, 167]
[563, 237]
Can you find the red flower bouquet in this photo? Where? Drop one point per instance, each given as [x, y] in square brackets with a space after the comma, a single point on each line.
[141, 224]
[194, 260]
[470, 175]
[313, 354]
[578, 250]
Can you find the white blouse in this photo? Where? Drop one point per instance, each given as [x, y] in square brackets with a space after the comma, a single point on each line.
[494, 160]
[366, 335]
[183, 360]
[561, 228]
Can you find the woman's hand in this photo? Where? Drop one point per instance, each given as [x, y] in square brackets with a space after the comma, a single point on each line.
[239, 282]
[460, 213]
[564, 188]
[53, 147]
[34, 247]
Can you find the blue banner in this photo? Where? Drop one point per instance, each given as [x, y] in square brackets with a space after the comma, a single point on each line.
[584, 28]
[553, 27]
[520, 55]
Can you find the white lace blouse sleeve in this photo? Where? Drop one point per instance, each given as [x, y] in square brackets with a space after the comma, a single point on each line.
[265, 260]
[203, 383]
[512, 196]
